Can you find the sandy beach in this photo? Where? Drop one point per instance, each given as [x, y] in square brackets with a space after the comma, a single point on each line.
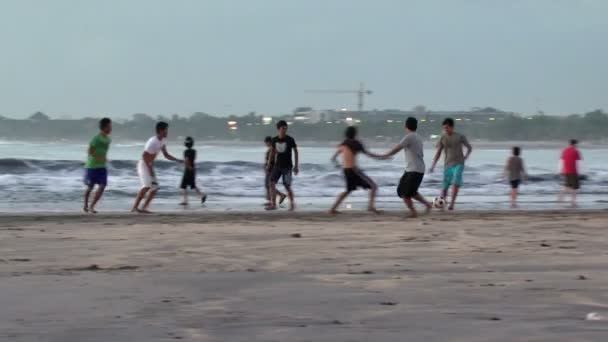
[492, 276]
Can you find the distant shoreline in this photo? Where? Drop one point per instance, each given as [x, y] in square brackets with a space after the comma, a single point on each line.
[484, 144]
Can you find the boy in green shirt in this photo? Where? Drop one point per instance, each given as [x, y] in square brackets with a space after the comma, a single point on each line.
[96, 172]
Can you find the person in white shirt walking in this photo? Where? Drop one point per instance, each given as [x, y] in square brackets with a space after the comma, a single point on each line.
[145, 167]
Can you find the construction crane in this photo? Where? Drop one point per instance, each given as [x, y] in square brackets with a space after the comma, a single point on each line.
[361, 92]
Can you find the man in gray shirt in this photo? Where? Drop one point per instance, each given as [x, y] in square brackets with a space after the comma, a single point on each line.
[452, 143]
[414, 167]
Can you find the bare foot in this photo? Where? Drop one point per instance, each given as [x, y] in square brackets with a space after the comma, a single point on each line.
[93, 211]
[374, 210]
[85, 209]
[334, 212]
[451, 208]
[292, 207]
[270, 207]
[140, 211]
[282, 199]
[413, 214]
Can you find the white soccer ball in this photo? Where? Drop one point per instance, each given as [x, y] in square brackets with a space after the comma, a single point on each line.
[439, 202]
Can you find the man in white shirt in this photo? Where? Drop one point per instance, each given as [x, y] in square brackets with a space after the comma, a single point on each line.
[145, 167]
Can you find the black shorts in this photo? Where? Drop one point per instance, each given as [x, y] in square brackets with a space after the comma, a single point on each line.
[515, 183]
[409, 184]
[189, 180]
[278, 173]
[572, 182]
[355, 178]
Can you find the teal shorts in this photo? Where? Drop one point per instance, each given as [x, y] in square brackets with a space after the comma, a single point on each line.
[453, 176]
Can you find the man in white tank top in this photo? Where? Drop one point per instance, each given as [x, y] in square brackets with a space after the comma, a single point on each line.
[145, 167]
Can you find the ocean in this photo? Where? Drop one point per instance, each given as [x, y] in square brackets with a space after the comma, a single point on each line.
[41, 177]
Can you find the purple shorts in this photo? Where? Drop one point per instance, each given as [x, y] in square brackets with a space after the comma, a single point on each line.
[96, 177]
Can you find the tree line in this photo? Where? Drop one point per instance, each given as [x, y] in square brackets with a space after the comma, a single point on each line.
[202, 126]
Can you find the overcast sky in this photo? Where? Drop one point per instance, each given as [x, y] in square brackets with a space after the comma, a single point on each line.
[118, 57]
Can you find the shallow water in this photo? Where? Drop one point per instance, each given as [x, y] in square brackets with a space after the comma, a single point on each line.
[41, 177]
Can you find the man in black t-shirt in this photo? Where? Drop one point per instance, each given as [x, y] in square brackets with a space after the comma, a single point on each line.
[189, 178]
[280, 154]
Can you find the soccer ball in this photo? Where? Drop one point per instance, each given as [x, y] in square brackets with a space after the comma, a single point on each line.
[439, 202]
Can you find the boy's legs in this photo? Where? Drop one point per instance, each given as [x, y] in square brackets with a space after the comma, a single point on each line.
[514, 193]
[267, 187]
[570, 187]
[292, 205]
[373, 190]
[410, 205]
[514, 198]
[418, 197]
[456, 181]
[140, 195]
[149, 199]
[94, 177]
[201, 194]
[341, 197]
[87, 194]
[574, 181]
[275, 175]
[408, 190]
[287, 175]
[447, 181]
[455, 189]
[100, 189]
[185, 196]
[282, 196]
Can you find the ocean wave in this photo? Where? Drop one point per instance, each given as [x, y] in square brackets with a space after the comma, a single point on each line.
[328, 172]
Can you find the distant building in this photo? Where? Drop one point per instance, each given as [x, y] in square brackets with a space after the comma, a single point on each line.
[308, 115]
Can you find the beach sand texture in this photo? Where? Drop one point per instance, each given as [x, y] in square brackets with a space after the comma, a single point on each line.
[495, 276]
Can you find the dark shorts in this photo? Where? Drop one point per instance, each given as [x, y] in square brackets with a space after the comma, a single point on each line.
[355, 178]
[572, 182]
[278, 173]
[515, 183]
[409, 184]
[96, 177]
[188, 180]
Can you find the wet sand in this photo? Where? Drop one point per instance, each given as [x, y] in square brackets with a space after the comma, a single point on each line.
[493, 276]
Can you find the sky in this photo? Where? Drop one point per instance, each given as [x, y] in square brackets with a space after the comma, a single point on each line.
[74, 58]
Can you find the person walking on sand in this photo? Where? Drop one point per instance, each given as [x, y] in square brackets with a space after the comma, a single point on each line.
[515, 173]
[145, 167]
[267, 173]
[283, 167]
[96, 172]
[414, 167]
[354, 177]
[570, 171]
[452, 144]
[189, 178]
